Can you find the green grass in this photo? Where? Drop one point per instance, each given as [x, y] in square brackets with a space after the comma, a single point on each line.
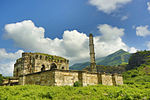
[98, 92]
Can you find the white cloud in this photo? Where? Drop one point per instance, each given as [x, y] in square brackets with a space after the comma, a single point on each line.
[148, 45]
[124, 18]
[148, 4]
[108, 6]
[132, 50]
[7, 61]
[73, 45]
[142, 31]
[109, 41]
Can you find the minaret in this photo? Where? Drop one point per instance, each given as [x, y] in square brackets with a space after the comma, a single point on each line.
[92, 54]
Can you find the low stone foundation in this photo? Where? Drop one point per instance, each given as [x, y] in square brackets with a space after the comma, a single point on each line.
[10, 82]
[69, 77]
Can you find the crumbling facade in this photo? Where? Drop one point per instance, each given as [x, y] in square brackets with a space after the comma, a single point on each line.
[44, 69]
[37, 62]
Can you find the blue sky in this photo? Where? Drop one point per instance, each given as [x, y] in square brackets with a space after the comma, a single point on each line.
[65, 26]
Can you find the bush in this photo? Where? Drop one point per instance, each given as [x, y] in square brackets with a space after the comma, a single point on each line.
[1, 79]
[97, 92]
[77, 84]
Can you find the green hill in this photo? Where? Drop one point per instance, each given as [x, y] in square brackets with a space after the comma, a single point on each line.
[79, 66]
[117, 58]
[138, 68]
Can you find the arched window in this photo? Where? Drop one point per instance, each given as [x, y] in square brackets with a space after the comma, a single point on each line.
[53, 66]
[63, 67]
[40, 57]
[36, 57]
[43, 68]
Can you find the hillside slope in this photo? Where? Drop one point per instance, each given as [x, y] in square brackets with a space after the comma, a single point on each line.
[138, 68]
[117, 58]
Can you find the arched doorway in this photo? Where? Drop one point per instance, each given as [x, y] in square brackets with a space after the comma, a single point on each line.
[53, 66]
[43, 68]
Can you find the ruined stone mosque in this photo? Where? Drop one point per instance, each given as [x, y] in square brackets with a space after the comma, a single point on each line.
[44, 69]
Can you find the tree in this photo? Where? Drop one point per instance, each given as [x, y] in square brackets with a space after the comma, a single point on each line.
[139, 58]
[1, 79]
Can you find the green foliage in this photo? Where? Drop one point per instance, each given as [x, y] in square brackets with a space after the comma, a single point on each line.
[51, 56]
[98, 92]
[1, 79]
[77, 84]
[111, 69]
[139, 58]
[137, 75]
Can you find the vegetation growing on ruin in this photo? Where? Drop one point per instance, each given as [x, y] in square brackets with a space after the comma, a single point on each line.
[98, 92]
[51, 56]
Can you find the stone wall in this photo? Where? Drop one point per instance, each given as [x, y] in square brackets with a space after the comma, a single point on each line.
[37, 62]
[69, 77]
[40, 78]
[117, 79]
[89, 78]
[106, 79]
[63, 78]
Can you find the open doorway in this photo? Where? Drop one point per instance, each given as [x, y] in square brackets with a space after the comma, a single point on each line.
[53, 66]
[43, 68]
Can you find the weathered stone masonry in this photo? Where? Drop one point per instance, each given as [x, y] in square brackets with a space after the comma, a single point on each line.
[36, 62]
[67, 77]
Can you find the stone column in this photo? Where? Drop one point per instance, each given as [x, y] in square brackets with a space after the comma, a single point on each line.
[92, 54]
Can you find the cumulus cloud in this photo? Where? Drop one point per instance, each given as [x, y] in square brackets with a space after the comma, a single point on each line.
[148, 45]
[148, 4]
[108, 6]
[7, 61]
[73, 45]
[142, 31]
[110, 40]
[124, 18]
[132, 50]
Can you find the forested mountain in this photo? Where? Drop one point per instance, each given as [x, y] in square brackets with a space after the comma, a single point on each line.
[117, 58]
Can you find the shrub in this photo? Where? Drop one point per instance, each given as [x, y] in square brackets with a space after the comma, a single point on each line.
[77, 84]
[1, 79]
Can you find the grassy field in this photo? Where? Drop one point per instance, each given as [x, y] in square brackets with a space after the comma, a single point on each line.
[98, 92]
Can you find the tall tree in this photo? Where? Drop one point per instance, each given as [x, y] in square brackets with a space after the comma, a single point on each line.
[1, 79]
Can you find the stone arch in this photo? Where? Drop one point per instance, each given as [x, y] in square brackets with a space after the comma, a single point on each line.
[43, 68]
[62, 66]
[40, 57]
[53, 66]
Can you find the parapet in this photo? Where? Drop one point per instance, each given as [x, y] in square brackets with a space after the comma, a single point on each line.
[44, 56]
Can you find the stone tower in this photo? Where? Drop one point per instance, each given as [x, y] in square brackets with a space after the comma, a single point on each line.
[92, 54]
